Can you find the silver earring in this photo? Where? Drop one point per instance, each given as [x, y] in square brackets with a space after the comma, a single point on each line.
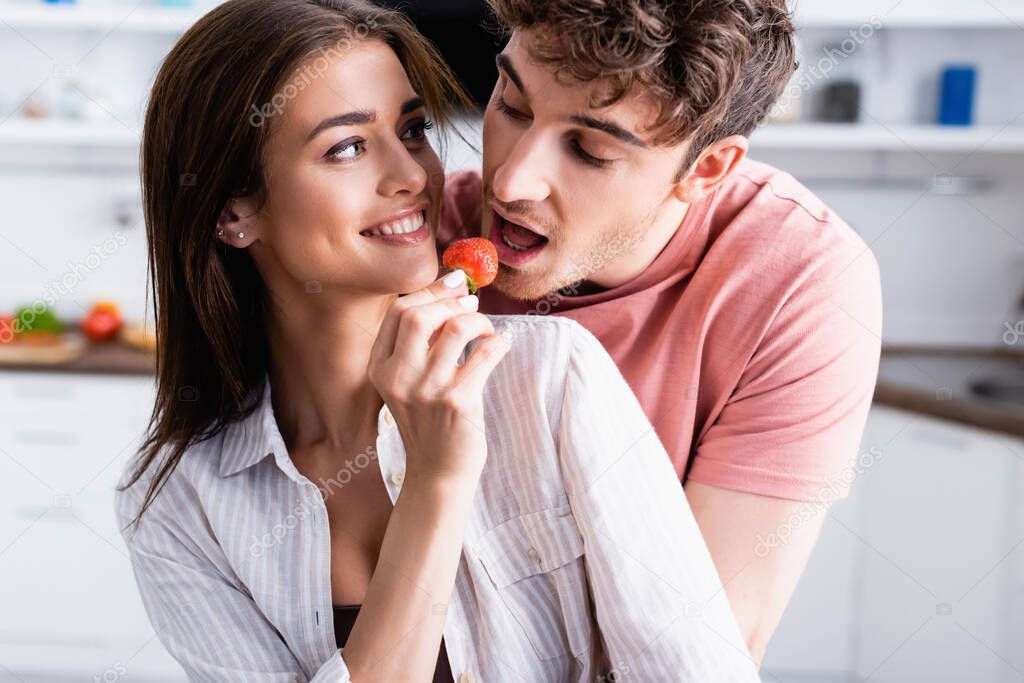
[241, 235]
[220, 233]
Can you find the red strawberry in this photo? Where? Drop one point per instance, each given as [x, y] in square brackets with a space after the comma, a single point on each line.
[476, 257]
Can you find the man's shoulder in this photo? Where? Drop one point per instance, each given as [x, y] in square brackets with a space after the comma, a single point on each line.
[760, 205]
[757, 181]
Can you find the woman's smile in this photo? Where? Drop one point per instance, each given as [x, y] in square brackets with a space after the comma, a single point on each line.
[405, 229]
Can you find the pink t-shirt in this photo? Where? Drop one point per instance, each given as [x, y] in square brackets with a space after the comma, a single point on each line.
[752, 341]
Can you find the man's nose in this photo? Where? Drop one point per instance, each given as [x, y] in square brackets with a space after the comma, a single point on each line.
[523, 175]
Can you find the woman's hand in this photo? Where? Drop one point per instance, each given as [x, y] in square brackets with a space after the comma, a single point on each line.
[437, 404]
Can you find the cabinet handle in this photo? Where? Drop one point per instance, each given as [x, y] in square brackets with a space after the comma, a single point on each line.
[46, 437]
[35, 392]
[54, 514]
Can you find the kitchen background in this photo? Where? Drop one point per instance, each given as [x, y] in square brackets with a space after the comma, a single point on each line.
[907, 117]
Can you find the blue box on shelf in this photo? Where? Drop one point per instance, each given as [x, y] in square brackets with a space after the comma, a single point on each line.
[956, 107]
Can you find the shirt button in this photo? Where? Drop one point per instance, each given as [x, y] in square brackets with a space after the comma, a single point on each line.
[532, 552]
[397, 478]
[467, 677]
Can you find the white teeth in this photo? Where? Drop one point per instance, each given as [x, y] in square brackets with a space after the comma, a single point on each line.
[400, 227]
[512, 246]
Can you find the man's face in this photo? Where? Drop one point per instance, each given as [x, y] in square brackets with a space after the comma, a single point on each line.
[571, 193]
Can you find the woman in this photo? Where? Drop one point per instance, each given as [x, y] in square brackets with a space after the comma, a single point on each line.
[333, 466]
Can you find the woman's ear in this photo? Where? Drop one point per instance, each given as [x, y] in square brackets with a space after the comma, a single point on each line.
[711, 168]
[237, 225]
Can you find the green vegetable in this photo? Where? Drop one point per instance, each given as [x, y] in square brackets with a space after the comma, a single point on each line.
[31, 319]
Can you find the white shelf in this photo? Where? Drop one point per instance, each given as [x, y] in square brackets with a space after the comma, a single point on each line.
[970, 14]
[778, 137]
[70, 133]
[996, 14]
[77, 17]
[867, 137]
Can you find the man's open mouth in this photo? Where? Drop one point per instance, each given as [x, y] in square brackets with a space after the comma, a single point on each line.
[519, 237]
[516, 244]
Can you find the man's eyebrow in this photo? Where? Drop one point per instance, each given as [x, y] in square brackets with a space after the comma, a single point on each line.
[412, 105]
[505, 64]
[362, 117]
[612, 129]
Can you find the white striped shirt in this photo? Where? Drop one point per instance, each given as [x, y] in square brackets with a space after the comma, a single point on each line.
[581, 555]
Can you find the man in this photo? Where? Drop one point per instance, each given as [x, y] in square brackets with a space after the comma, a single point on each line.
[744, 314]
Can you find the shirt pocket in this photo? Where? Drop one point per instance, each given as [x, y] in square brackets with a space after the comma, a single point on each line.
[535, 562]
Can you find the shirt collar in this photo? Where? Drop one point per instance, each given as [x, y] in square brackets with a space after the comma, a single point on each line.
[248, 441]
[252, 439]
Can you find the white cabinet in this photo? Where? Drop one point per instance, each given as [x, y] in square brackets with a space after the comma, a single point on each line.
[69, 609]
[918, 575]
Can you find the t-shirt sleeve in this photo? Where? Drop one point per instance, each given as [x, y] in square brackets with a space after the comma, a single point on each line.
[461, 208]
[792, 428]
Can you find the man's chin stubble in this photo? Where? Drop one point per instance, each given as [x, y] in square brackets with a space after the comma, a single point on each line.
[517, 286]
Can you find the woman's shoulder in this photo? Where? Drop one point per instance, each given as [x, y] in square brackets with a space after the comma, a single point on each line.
[539, 344]
[539, 331]
[547, 339]
[198, 462]
[547, 354]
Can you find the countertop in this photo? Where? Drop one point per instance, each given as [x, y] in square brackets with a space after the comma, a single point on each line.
[934, 382]
[941, 382]
[113, 358]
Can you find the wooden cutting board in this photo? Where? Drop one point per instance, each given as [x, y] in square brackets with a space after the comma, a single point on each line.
[69, 348]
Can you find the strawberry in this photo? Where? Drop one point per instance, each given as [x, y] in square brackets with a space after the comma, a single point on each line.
[476, 257]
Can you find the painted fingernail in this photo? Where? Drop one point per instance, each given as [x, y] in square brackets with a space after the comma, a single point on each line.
[455, 278]
[471, 302]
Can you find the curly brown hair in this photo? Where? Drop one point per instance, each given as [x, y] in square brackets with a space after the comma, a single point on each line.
[716, 66]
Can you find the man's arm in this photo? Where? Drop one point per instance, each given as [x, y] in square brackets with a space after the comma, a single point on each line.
[766, 470]
[759, 579]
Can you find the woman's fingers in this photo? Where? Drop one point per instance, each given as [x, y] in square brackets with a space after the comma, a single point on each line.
[472, 377]
[451, 286]
[421, 326]
[452, 339]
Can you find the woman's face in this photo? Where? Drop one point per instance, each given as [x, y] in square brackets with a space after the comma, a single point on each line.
[353, 185]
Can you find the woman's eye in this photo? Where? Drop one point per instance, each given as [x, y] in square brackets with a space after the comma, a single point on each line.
[349, 149]
[418, 130]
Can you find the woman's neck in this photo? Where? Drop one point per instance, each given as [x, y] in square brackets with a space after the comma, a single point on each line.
[319, 358]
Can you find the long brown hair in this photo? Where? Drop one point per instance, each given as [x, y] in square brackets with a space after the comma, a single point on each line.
[209, 116]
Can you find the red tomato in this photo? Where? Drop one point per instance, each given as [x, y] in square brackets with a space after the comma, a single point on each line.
[103, 323]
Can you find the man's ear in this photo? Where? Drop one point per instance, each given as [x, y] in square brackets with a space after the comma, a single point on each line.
[711, 168]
